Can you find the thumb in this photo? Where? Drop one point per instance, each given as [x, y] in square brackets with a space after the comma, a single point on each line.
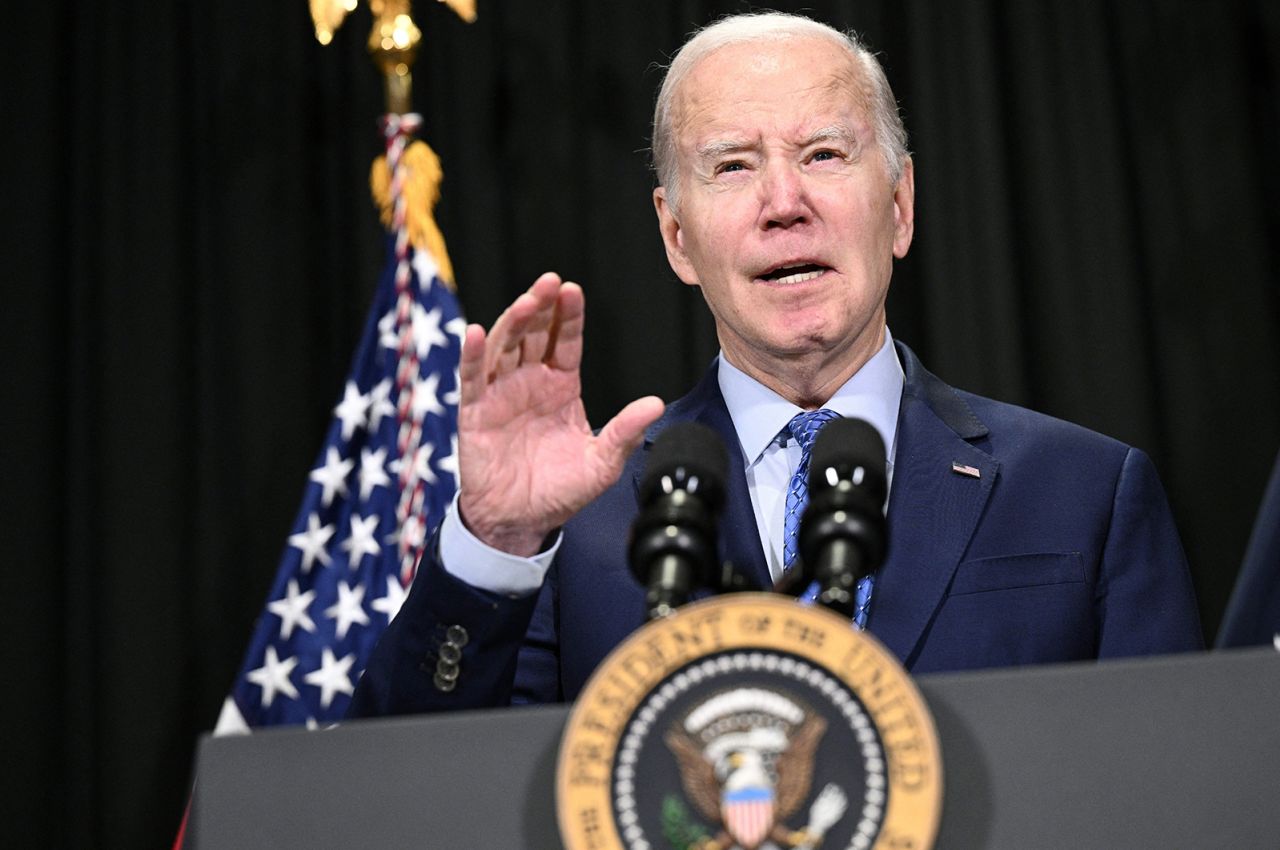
[620, 436]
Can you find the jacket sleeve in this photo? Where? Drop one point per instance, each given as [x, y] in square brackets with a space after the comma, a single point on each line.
[1145, 600]
[452, 646]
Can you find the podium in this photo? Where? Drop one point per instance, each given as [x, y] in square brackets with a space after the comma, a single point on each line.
[1179, 751]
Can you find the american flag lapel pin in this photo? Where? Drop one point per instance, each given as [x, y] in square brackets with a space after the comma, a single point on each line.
[964, 469]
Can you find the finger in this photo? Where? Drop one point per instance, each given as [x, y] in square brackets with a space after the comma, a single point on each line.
[471, 372]
[508, 332]
[537, 332]
[504, 340]
[623, 433]
[564, 345]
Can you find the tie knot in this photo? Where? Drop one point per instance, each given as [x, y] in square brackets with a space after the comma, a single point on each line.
[804, 427]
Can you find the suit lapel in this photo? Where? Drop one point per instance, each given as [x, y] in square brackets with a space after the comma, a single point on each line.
[933, 510]
[739, 540]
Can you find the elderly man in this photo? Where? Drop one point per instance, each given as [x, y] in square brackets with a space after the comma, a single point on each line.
[786, 192]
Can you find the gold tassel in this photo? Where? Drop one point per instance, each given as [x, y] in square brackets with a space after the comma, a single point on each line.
[421, 192]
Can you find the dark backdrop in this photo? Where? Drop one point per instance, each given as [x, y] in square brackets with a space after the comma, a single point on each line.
[189, 252]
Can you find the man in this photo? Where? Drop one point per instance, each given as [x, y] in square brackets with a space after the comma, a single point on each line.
[786, 192]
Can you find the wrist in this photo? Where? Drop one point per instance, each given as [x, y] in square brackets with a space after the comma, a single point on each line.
[512, 538]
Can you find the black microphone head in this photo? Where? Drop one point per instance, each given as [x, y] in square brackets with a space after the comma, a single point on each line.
[842, 531]
[673, 539]
[686, 456]
[849, 449]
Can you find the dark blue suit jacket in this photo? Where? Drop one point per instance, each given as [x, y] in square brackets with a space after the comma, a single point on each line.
[1062, 549]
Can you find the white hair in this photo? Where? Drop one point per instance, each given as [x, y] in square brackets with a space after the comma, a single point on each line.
[891, 135]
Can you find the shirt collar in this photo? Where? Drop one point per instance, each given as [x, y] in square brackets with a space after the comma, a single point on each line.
[874, 393]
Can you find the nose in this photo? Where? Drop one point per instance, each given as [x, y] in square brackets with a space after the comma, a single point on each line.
[784, 200]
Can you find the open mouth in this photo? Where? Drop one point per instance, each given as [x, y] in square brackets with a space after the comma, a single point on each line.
[794, 274]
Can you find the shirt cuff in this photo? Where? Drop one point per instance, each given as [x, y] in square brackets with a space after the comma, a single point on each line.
[468, 558]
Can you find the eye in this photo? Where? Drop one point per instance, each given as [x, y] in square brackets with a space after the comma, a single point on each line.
[825, 155]
[731, 165]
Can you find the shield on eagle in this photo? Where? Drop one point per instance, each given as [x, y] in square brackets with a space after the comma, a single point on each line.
[748, 814]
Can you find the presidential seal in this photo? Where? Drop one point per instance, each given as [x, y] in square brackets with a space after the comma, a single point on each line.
[749, 721]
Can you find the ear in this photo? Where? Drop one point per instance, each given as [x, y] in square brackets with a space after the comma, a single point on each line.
[904, 209]
[673, 238]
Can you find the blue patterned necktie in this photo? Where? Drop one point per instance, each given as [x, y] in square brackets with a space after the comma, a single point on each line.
[804, 428]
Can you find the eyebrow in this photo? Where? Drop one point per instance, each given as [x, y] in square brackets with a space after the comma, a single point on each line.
[719, 147]
[835, 132]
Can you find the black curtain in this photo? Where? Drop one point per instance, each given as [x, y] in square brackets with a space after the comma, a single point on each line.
[190, 250]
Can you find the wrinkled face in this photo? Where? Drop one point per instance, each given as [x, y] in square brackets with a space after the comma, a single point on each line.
[786, 219]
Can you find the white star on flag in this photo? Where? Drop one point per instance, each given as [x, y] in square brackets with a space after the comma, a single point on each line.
[312, 542]
[332, 477]
[390, 604]
[426, 330]
[348, 609]
[426, 398]
[332, 676]
[352, 410]
[421, 464]
[361, 541]
[387, 336]
[372, 471]
[380, 403]
[273, 676]
[424, 327]
[292, 610]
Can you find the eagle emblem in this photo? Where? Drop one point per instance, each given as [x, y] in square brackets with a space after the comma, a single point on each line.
[746, 763]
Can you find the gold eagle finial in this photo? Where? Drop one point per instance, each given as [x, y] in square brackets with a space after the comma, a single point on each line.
[393, 41]
[328, 15]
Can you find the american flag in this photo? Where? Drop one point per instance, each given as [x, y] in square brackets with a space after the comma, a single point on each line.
[383, 477]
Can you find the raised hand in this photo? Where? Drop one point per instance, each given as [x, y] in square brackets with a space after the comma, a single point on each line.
[527, 458]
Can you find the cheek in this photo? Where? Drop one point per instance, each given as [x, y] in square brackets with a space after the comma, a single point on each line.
[708, 246]
[877, 231]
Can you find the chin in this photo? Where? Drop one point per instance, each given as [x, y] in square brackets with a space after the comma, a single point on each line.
[803, 345]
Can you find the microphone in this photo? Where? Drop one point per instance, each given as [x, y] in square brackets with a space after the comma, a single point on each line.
[673, 540]
[842, 532]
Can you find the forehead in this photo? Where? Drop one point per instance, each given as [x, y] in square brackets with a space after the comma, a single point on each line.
[786, 86]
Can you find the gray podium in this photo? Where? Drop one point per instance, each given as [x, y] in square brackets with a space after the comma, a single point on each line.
[1176, 752]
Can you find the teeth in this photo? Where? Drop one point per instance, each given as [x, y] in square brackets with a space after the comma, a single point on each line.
[799, 277]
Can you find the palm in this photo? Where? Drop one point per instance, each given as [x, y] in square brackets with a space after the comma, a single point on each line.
[528, 459]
